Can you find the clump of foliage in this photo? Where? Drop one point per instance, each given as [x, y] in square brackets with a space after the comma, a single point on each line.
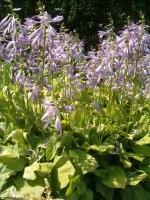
[73, 126]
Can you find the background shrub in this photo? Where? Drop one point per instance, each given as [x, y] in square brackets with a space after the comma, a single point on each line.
[85, 16]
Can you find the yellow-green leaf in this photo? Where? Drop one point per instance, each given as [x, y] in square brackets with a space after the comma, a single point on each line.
[64, 173]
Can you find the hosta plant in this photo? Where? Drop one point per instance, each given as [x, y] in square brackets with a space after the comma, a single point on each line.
[73, 125]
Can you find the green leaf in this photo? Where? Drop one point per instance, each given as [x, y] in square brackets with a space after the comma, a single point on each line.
[52, 148]
[140, 193]
[106, 192]
[77, 119]
[88, 195]
[9, 152]
[6, 74]
[115, 178]
[20, 141]
[9, 132]
[74, 182]
[43, 169]
[127, 194]
[64, 173]
[9, 156]
[99, 148]
[76, 189]
[135, 179]
[86, 162]
[135, 156]
[32, 188]
[100, 173]
[143, 150]
[10, 193]
[146, 169]
[3, 126]
[126, 162]
[4, 174]
[144, 140]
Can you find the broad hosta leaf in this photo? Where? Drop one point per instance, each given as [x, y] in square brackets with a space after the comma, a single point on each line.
[77, 118]
[88, 195]
[140, 193]
[9, 156]
[135, 179]
[85, 162]
[144, 140]
[135, 156]
[32, 188]
[4, 174]
[74, 183]
[43, 169]
[126, 162]
[146, 169]
[9, 132]
[106, 192]
[136, 192]
[3, 126]
[100, 173]
[19, 139]
[115, 178]
[99, 148]
[64, 173]
[9, 152]
[52, 148]
[143, 150]
[77, 189]
[11, 194]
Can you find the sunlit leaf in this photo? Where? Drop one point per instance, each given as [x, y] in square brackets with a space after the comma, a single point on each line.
[44, 169]
[64, 173]
[136, 178]
[86, 162]
[144, 140]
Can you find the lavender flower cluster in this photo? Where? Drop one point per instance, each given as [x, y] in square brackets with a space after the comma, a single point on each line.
[44, 61]
[122, 59]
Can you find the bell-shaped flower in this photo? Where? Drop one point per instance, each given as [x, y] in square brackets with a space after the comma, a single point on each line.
[58, 125]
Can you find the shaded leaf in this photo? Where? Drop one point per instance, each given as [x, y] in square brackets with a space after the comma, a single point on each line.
[52, 148]
[115, 178]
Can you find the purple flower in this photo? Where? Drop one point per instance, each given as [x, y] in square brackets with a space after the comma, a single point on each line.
[58, 125]
[50, 112]
[96, 105]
